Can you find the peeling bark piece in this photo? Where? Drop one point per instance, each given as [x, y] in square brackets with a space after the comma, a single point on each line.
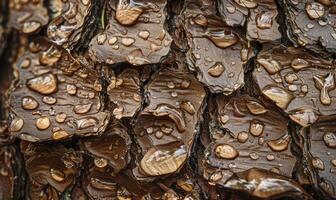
[99, 183]
[165, 129]
[67, 28]
[5, 136]
[246, 139]
[28, 16]
[124, 91]
[54, 97]
[262, 25]
[112, 148]
[135, 33]
[319, 149]
[232, 13]
[215, 52]
[263, 184]
[312, 24]
[300, 84]
[11, 183]
[51, 169]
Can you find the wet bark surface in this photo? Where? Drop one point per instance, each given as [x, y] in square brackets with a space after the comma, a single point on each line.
[167, 99]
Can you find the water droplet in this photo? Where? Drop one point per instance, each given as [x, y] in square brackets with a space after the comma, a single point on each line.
[158, 134]
[185, 84]
[265, 19]
[42, 123]
[270, 157]
[224, 118]
[303, 116]
[16, 124]
[59, 135]
[247, 3]
[127, 41]
[166, 130]
[29, 103]
[256, 128]
[280, 96]
[254, 156]
[144, 34]
[242, 137]
[149, 130]
[171, 85]
[127, 14]
[325, 84]
[71, 89]
[50, 57]
[226, 151]
[188, 106]
[200, 20]
[155, 47]
[100, 162]
[112, 40]
[222, 39]
[60, 118]
[31, 27]
[118, 112]
[298, 64]
[25, 63]
[86, 123]
[330, 139]
[82, 109]
[279, 144]
[318, 163]
[174, 94]
[57, 175]
[216, 70]
[86, 2]
[101, 38]
[291, 77]
[292, 88]
[314, 10]
[49, 100]
[44, 84]
[333, 162]
[161, 160]
[271, 66]
[216, 176]
[97, 86]
[255, 108]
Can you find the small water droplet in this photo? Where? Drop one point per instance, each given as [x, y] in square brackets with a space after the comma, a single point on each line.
[49, 100]
[318, 163]
[256, 128]
[16, 124]
[42, 123]
[29, 103]
[71, 89]
[127, 41]
[31, 27]
[242, 137]
[60, 118]
[144, 34]
[100, 162]
[57, 175]
[254, 156]
[216, 70]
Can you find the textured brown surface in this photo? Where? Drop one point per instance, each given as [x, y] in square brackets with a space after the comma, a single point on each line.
[167, 99]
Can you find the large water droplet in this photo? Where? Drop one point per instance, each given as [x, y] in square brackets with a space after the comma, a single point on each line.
[42, 123]
[325, 84]
[299, 63]
[29, 103]
[82, 109]
[51, 56]
[247, 3]
[216, 70]
[161, 160]
[226, 151]
[256, 128]
[86, 123]
[16, 124]
[60, 135]
[330, 139]
[271, 66]
[279, 144]
[127, 14]
[303, 116]
[280, 96]
[222, 38]
[31, 27]
[57, 175]
[44, 84]
[314, 10]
